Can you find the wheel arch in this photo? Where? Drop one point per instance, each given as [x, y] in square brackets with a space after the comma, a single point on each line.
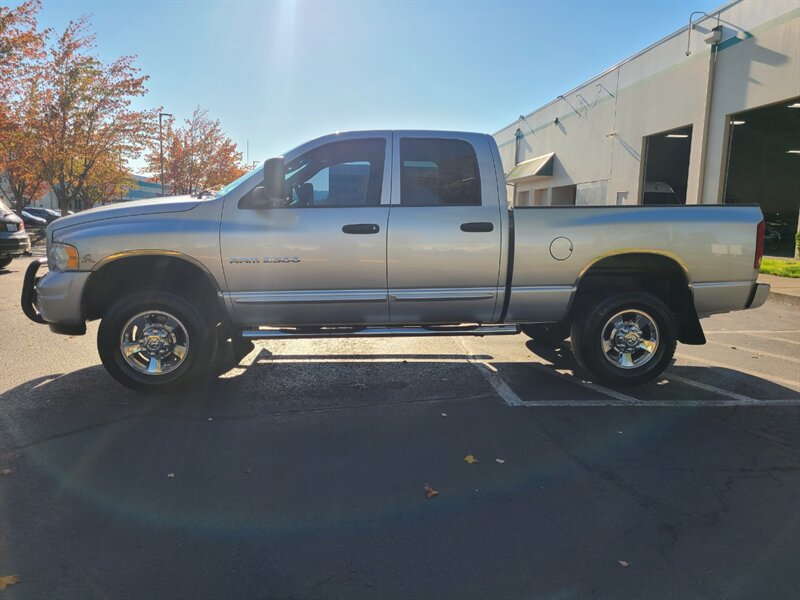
[659, 272]
[150, 269]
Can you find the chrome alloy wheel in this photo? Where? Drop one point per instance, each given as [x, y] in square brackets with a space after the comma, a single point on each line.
[629, 339]
[154, 342]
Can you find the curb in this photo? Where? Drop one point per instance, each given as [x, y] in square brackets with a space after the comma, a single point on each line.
[784, 298]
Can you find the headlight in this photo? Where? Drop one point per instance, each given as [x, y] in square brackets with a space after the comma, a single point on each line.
[62, 257]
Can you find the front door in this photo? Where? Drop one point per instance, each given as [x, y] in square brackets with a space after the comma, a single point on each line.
[445, 230]
[320, 259]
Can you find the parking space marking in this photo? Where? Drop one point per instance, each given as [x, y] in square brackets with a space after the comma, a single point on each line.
[490, 374]
[794, 384]
[510, 397]
[761, 352]
[755, 331]
[614, 398]
[612, 402]
[761, 336]
[744, 400]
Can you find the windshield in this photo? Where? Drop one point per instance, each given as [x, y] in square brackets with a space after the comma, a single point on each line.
[242, 179]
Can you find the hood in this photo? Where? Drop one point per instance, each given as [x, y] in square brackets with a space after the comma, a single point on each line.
[128, 209]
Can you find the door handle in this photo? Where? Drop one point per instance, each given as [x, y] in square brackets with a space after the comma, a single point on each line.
[361, 228]
[479, 227]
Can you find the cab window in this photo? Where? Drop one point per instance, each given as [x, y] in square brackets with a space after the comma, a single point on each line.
[339, 174]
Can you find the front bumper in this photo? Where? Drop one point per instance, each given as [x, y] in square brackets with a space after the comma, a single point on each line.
[54, 298]
[760, 293]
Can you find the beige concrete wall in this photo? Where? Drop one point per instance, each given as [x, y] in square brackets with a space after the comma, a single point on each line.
[599, 135]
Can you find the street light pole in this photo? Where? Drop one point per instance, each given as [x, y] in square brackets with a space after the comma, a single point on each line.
[161, 148]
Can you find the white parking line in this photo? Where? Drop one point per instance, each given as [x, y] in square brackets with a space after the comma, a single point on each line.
[744, 400]
[754, 351]
[794, 384]
[761, 336]
[656, 403]
[613, 398]
[755, 331]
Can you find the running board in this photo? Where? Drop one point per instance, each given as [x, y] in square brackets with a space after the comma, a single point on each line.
[347, 332]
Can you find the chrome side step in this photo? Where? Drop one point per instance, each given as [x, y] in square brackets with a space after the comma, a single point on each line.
[349, 332]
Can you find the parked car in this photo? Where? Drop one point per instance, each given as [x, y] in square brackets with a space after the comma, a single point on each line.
[658, 192]
[32, 221]
[390, 233]
[48, 214]
[13, 240]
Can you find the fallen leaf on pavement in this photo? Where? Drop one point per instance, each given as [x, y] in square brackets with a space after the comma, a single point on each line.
[171, 475]
[7, 580]
[444, 414]
[623, 563]
[430, 492]
[5, 472]
[469, 459]
[500, 460]
[358, 386]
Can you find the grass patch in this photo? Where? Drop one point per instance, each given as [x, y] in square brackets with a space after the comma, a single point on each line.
[782, 268]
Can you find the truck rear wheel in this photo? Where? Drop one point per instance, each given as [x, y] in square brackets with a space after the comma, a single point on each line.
[628, 339]
[547, 333]
[155, 341]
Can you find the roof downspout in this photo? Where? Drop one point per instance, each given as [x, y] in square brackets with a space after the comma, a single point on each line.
[712, 64]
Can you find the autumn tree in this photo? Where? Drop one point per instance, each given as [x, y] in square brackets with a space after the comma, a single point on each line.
[21, 52]
[197, 156]
[109, 178]
[85, 121]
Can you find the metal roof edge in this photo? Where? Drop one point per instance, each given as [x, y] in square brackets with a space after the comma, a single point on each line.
[622, 62]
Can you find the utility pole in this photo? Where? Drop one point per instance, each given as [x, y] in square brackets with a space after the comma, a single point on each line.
[161, 148]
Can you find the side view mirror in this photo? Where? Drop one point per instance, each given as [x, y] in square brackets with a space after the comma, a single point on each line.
[270, 192]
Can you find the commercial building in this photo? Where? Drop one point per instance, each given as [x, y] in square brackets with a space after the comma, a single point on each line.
[709, 114]
[141, 188]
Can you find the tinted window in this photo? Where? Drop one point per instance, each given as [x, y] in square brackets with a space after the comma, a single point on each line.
[436, 172]
[348, 173]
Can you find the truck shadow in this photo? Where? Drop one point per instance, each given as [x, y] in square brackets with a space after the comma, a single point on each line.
[266, 384]
[706, 382]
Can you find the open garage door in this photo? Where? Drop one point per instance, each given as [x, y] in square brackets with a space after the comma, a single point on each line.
[666, 167]
[764, 168]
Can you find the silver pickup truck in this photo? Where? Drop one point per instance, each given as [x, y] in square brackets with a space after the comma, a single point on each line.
[390, 233]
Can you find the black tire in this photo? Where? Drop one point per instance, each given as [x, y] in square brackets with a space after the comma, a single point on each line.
[547, 333]
[587, 331]
[4, 262]
[200, 350]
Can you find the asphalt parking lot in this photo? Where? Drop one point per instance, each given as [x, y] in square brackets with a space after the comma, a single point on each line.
[301, 472]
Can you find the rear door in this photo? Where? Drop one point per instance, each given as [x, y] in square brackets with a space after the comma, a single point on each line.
[320, 259]
[445, 230]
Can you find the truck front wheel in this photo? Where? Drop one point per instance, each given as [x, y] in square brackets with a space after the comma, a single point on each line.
[155, 341]
[627, 339]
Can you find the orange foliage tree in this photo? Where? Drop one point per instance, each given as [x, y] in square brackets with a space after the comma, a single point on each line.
[21, 50]
[198, 156]
[85, 121]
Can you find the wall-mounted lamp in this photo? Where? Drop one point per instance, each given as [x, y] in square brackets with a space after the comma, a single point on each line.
[556, 121]
[691, 27]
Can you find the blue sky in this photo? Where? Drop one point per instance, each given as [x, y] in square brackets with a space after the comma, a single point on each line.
[280, 73]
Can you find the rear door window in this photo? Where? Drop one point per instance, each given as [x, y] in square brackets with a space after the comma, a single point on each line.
[438, 172]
